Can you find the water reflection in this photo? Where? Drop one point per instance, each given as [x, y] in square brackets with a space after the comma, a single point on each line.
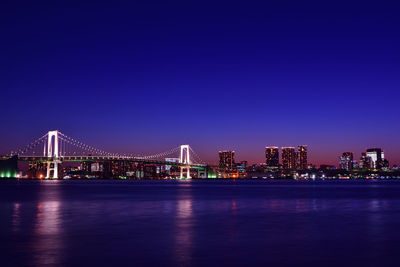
[300, 205]
[16, 217]
[184, 225]
[47, 218]
[196, 224]
[375, 218]
[48, 242]
[234, 206]
[374, 205]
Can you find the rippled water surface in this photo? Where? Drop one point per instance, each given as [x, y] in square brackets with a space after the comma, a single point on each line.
[199, 223]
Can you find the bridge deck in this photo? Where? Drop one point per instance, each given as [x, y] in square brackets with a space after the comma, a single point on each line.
[97, 158]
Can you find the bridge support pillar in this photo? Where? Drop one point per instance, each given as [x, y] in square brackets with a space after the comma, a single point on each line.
[52, 166]
[185, 159]
[187, 172]
[52, 154]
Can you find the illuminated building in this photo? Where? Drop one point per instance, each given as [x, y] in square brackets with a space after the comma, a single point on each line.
[377, 157]
[346, 161]
[272, 156]
[254, 168]
[383, 164]
[302, 157]
[36, 169]
[8, 167]
[365, 161]
[356, 165]
[85, 166]
[168, 167]
[119, 168]
[96, 167]
[151, 171]
[288, 158]
[241, 167]
[227, 161]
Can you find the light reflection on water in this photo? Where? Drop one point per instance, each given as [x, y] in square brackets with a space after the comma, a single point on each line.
[48, 238]
[16, 217]
[182, 223]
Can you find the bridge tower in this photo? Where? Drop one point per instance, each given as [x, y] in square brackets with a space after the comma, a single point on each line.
[185, 159]
[52, 153]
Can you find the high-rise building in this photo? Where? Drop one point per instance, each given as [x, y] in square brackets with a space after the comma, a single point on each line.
[346, 161]
[227, 161]
[272, 156]
[288, 158]
[356, 165]
[377, 157]
[302, 157]
[365, 161]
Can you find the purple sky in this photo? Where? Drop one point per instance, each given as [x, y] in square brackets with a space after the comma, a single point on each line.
[147, 77]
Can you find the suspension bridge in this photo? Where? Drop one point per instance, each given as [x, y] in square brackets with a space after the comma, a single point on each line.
[54, 148]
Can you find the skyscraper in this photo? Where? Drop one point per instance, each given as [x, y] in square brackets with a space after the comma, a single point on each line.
[288, 158]
[272, 156]
[377, 157]
[365, 161]
[346, 161]
[302, 157]
[227, 161]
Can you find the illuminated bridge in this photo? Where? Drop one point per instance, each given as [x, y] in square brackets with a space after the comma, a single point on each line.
[54, 148]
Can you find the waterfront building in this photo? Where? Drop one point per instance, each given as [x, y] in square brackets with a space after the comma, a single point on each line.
[365, 161]
[85, 166]
[383, 164]
[356, 165]
[168, 167]
[346, 161]
[8, 167]
[254, 168]
[227, 161]
[36, 169]
[272, 156]
[96, 167]
[377, 157]
[288, 158]
[302, 157]
[241, 167]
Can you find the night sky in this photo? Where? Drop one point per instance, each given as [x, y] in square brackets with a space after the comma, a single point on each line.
[145, 77]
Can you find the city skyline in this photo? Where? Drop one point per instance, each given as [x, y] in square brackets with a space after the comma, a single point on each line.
[198, 133]
[233, 77]
[286, 156]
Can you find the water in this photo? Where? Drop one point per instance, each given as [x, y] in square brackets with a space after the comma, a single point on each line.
[199, 223]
